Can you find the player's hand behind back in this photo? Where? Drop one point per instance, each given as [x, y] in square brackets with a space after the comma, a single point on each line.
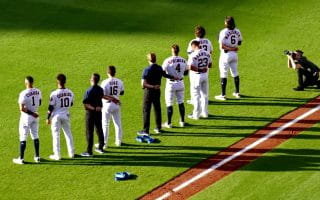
[48, 121]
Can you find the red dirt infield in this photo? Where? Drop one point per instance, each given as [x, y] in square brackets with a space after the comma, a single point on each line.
[239, 154]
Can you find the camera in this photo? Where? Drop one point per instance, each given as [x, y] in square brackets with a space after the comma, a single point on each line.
[290, 53]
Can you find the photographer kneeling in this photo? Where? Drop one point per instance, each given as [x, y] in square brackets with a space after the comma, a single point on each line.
[308, 72]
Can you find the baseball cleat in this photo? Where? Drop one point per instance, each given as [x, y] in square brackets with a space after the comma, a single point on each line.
[221, 97]
[236, 95]
[118, 144]
[166, 125]
[157, 130]
[99, 150]
[190, 116]
[182, 124]
[142, 133]
[36, 159]
[86, 154]
[204, 115]
[18, 161]
[54, 157]
[189, 102]
[71, 156]
[97, 146]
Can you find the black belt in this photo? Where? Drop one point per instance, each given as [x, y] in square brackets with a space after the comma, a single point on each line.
[108, 101]
[175, 80]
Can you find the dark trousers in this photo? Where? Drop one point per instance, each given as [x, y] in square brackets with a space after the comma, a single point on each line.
[306, 79]
[151, 97]
[93, 120]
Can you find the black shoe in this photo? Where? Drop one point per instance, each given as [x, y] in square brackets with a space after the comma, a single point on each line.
[298, 89]
[86, 154]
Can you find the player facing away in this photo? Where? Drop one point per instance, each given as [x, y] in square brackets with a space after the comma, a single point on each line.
[29, 101]
[198, 63]
[205, 44]
[229, 39]
[112, 88]
[175, 66]
[59, 117]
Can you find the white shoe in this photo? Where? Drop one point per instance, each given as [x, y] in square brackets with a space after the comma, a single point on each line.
[189, 102]
[204, 115]
[221, 97]
[190, 116]
[182, 124]
[97, 146]
[54, 157]
[236, 95]
[118, 144]
[18, 161]
[71, 156]
[166, 125]
[36, 159]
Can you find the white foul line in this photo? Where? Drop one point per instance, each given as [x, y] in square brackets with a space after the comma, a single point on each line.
[247, 148]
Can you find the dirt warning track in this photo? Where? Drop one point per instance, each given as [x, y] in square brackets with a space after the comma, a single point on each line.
[239, 154]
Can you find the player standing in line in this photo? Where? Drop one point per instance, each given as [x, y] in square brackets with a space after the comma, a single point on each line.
[205, 44]
[175, 66]
[92, 102]
[29, 101]
[229, 39]
[198, 63]
[113, 88]
[58, 116]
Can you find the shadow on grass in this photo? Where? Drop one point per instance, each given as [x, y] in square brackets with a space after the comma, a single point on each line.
[262, 101]
[280, 160]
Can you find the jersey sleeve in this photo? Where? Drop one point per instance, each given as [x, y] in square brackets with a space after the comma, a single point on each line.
[221, 36]
[21, 99]
[189, 49]
[191, 61]
[52, 101]
[165, 65]
[240, 38]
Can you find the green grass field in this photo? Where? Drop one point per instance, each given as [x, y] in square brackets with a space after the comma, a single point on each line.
[43, 38]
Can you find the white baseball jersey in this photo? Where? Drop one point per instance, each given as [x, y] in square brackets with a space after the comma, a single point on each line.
[61, 100]
[205, 44]
[200, 58]
[230, 38]
[174, 66]
[199, 84]
[229, 59]
[31, 99]
[112, 87]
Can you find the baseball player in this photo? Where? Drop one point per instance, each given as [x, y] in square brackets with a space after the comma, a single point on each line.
[198, 63]
[229, 39]
[58, 116]
[175, 66]
[205, 44]
[112, 88]
[29, 101]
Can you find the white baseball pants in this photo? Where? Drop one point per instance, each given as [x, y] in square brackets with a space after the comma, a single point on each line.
[61, 121]
[28, 124]
[228, 61]
[111, 110]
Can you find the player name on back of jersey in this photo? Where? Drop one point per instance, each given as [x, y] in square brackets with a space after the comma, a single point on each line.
[113, 82]
[33, 93]
[64, 94]
[177, 60]
[203, 41]
[201, 53]
[231, 32]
